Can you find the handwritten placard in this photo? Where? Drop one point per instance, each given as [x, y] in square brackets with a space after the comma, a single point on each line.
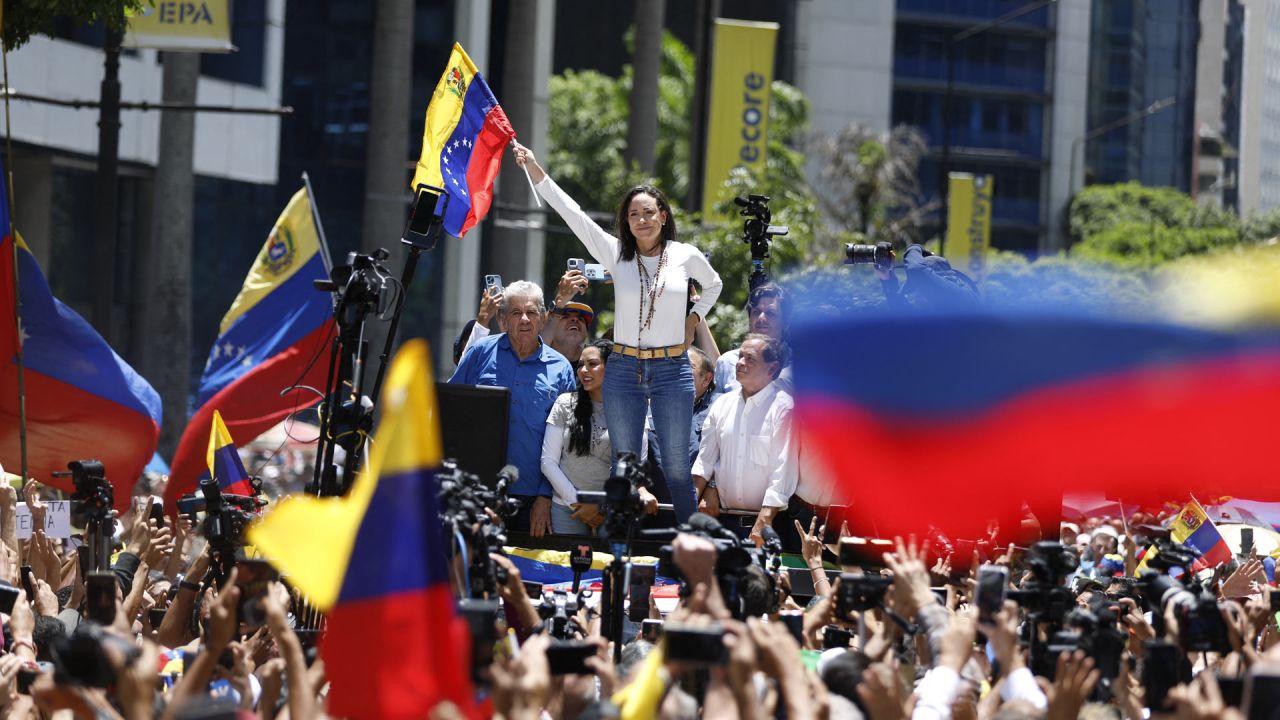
[57, 519]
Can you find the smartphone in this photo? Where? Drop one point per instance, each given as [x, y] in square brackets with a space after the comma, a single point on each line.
[863, 552]
[532, 589]
[85, 559]
[1275, 601]
[794, 620]
[1160, 674]
[28, 582]
[156, 616]
[834, 518]
[1261, 691]
[1246, 541]
[8, 596]
[962, 558]
[834, 636]
[695, 645]
[993, 586]
[100, 597]
[426, 211]
[254, 577]
[493, 282]
[575, 264]
[595, 271]
[642, 578]
[1232, 689]
[651, 630]
[569, 657]
[157, 512]
[28, 673]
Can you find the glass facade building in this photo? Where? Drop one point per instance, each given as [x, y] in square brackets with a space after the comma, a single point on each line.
[998, 115]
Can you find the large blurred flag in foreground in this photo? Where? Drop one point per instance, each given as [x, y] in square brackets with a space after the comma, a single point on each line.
[83, 401]
[376, 562]
[462, 142]
[275, 336]
[953, 419]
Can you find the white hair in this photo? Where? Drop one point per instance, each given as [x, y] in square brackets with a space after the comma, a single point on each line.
[525, 290]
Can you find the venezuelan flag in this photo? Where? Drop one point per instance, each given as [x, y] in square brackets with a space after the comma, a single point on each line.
[376, 562]
[953, 419]
[462, 142]
[224, 460]
[271, 339]
[82, 400]
[1193, 528]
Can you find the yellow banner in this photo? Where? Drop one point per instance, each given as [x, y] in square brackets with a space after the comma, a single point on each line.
[738, 122]
[968, 221]
[182, 25]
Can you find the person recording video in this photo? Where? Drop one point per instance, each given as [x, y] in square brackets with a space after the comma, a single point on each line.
[649, 368]
[931, 281]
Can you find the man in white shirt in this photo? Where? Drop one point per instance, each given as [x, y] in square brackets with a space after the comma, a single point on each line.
[747, 458]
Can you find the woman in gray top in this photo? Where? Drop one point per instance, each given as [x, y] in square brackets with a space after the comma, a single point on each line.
[576, 453]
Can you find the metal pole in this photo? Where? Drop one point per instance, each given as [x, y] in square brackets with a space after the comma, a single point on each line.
[703, 41]
[102, 281]
[17, 297]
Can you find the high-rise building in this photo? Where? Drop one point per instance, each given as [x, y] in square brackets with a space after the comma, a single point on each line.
[1261, 157]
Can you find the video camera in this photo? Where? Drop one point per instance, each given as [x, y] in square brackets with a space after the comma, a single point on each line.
[733, 558]
[93, 496]
[1201, 627]
[560, 613]
[758, 233]
[1097, 633]
[620, 500]
[82, 658]
[361, 285]
[225, 519]
[463, 497]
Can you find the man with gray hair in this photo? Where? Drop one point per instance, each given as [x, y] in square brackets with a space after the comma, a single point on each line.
[536, 374]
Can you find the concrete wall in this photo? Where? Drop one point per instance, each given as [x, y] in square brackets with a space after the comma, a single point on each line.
[236, 147]
[1069, 54]
[844, 61]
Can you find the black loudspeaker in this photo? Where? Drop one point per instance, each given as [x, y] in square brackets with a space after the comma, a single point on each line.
[473, 426]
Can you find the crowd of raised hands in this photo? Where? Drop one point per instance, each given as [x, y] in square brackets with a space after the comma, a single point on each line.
[174, 646]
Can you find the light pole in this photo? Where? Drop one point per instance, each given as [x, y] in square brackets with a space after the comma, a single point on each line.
[1098, 132]
[944, 168]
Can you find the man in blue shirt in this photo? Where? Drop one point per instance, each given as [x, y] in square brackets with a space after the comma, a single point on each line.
[536, 375]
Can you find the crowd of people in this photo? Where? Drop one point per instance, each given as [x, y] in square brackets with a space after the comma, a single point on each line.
[1073, 629]
[1105, 619]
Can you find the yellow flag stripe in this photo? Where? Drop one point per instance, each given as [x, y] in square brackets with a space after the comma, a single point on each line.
[295, 229]
[443, 113]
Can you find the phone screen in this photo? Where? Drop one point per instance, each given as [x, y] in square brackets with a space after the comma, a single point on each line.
[254, 578]
[993, 583]
[100, 597]
[1261, 693]
[28, 582]
[157, 513]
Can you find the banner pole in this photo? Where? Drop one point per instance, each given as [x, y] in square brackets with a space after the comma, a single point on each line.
[17, 298]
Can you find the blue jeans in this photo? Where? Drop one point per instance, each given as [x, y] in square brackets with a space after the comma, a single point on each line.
[664, 387]
[564, 523]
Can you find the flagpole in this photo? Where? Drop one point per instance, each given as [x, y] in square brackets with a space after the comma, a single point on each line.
[17, 310]
[315, 218]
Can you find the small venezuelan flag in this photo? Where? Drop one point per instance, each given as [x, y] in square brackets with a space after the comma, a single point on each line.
[462, 142]
[224, 460]
[376, 562]
[1193, 528]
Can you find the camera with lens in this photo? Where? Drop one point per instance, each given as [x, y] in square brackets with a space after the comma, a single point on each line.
[1097, 633]
[758, 233]
[880, 255]
[734, 558]
[361, 284]
[1049, 563]
[83, 658]
[1201, 627]
[859, 592]
[560, 610]
[463, 498]
[92, 497]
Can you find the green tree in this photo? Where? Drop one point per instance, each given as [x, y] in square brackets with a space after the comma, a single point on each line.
[24, 18]
[1135, 226]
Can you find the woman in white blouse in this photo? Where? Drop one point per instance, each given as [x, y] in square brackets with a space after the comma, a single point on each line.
[648, 371]
[576, 454]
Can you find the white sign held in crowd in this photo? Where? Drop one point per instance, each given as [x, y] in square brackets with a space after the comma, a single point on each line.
[57, 521]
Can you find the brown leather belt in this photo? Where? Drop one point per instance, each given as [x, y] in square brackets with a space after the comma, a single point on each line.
[669, 351]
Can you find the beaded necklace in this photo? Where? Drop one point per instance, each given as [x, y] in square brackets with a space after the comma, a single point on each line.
[653, 287]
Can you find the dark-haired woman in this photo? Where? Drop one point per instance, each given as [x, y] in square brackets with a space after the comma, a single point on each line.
[576, 454]
[648, 371]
